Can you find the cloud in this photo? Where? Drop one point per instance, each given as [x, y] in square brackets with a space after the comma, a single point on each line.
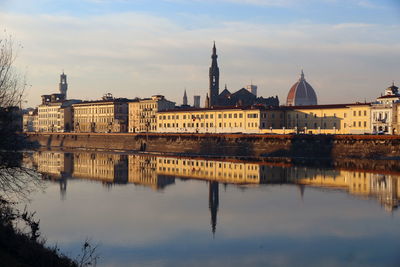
[135, 54]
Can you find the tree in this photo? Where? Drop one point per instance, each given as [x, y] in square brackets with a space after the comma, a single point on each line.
[12, 84]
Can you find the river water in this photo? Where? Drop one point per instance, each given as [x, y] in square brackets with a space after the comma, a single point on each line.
[145, 210]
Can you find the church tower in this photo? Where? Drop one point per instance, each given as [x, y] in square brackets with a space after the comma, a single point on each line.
[63, 85]
[185, 100]
[214, 79]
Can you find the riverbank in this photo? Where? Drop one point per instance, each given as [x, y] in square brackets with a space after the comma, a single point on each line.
[290, 146]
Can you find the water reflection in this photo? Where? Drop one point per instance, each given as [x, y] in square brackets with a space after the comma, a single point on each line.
[251, 208]
[158, 172]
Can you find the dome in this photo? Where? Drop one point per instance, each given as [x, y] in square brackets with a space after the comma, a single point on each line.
[301, 93]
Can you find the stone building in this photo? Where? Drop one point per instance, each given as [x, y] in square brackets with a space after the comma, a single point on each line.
[242, 97]
[352, 118]
[142, 113]
[384, 119]
[30, 121]
[334, 119]
[55, 115]
[217, 120]
[301, 93]
[109, 115]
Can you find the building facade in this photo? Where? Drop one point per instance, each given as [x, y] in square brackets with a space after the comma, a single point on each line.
[30, 121]
[143, 113]
[384, 119]
[55, 116]
[218, 120]
[104, 116]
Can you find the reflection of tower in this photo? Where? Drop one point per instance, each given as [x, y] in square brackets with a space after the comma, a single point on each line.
[63, 188]
[302, 189]
[213, 202]
[63, 185]
[214, 79]
[63, 85]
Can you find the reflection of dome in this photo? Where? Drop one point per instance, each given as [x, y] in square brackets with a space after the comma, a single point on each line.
[301, 93]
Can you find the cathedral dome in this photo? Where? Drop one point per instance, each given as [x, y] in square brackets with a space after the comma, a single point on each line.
[301, 93]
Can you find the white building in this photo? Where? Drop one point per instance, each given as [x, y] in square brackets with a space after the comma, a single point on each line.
[383, 117]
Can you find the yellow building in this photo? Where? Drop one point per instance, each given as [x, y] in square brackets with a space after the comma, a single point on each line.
[55, 116]
[318, 119]
[219, 120]
[142, 113]
[329, 119]
[104, 116]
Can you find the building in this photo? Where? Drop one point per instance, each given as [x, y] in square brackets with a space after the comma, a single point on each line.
[214, 79]
[354, 118]
[109, 115]
[142, 113]
[63, 85]
[301, 93]
[185, 99]
[384, 119]
[219, 120]
[30, 121]
[55, 115]
[329, 119]
[196, 101]
[252, 89]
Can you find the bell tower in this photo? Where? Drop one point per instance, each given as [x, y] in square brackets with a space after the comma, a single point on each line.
[63, 86]
[214, 79]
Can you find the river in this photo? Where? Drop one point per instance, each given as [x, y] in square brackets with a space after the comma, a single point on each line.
[148, 210]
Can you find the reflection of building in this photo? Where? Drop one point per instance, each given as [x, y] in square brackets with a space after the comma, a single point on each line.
[142, 113]
[106, 167]
[54, 164]
[142, 171]
[383, 187]
[211, 170]
[157, 172]
[213, 202]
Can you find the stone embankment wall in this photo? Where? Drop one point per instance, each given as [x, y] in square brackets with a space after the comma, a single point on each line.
[327, 146]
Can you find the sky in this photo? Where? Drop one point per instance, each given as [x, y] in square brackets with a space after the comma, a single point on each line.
[349, 49]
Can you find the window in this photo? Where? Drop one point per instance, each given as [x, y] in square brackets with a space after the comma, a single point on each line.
[219, 116]
[206, 116]
[184, 117]
[359, 124]
[354, 124]
[345, 115]
[359, 113]
[365, 113]
[365, 124]
[240, 115]
[224, 116]
[211, 116]
[235, 115]
[354, 113]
